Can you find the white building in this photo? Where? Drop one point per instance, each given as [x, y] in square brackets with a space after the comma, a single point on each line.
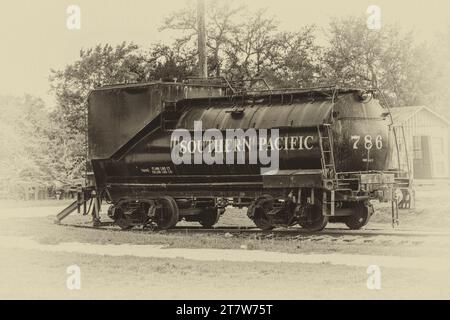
[427, 138]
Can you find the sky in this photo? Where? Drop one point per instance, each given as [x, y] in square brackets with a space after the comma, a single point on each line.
[35, 37]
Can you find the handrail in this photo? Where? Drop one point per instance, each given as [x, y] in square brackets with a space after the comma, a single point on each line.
[233, 90]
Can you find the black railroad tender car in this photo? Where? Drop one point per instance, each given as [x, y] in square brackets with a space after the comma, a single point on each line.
[335, 147]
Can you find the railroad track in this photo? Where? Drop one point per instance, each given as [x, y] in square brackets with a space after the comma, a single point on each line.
[288, 232]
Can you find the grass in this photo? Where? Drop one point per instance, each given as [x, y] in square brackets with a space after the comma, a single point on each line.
[32, 274]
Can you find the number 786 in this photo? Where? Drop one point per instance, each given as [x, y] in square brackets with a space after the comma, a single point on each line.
[369, 141]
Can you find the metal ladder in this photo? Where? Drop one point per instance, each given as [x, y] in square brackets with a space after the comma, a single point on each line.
[328, 167]
[169, 115]
[326, 151]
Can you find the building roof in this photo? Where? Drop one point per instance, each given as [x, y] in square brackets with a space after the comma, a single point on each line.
[402, 114]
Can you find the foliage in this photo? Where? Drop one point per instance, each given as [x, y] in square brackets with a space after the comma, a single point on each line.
[296, 60]
[24, 154]
[221, 28]
[387, 59]
[439, 68]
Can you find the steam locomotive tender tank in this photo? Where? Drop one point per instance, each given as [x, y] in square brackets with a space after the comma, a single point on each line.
[333, 150]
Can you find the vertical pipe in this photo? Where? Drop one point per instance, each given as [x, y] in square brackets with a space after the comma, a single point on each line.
[78, 202]
[96, 208]
[201, 26]
[332, 204]
[324, 203]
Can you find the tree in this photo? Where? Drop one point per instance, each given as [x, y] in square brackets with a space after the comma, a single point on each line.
[168, 62]
[251, 49]
[387, 59]
[221, 26]
[245, 44]
[295, 60]
[439, 96]
[24, 155]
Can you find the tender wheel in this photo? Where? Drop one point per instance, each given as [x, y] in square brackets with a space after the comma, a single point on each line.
[313, 220]
[258, 210]
[116, 213]
[167, 216]
[209, 217]
[362, 211]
